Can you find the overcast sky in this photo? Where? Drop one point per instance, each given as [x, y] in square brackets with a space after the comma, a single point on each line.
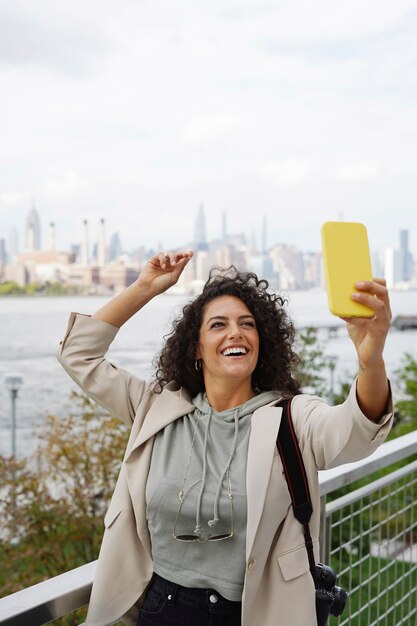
[138, 111]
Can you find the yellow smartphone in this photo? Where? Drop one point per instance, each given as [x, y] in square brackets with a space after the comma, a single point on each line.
[346, 261]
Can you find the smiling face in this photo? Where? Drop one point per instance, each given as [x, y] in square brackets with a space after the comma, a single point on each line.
[228, 344]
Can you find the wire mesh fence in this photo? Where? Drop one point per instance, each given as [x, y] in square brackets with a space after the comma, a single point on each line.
[371, 541]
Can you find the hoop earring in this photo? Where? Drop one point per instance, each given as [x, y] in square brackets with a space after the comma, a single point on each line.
[197, 365]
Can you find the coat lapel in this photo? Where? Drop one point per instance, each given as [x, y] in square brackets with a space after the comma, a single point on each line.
[166, 408]
[262, 443]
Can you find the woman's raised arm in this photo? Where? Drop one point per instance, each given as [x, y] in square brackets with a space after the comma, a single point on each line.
[158, 274]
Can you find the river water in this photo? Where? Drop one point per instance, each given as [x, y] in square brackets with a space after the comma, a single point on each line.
[31, 329]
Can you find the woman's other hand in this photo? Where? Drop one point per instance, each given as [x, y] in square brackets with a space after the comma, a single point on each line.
[369, 334]
[163, 270]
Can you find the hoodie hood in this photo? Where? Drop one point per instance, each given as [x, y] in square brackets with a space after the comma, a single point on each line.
[266, 397]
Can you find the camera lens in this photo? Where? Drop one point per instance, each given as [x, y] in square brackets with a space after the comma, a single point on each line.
[339, 600]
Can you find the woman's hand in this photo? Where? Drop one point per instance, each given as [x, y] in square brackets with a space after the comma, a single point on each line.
[160, 272]
[369, 334]
[163, 270]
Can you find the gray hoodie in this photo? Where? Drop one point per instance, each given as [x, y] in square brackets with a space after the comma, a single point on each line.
[196, 489]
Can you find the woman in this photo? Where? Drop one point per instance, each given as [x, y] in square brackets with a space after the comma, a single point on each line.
[200, 528]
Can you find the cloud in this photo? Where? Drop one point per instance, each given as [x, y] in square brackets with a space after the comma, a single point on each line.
[296, 172]
[46, 35]
[358, 172]
[212, 131]
[328, 21]
[289, 172]
[12, 199]
[69, 187]
[238, 10]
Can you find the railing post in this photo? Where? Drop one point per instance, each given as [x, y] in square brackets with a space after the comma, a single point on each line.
[325, 530]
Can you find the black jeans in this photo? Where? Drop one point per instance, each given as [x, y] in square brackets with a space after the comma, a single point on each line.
[168, 604]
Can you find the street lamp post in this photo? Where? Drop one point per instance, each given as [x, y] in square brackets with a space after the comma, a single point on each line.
[13, 384]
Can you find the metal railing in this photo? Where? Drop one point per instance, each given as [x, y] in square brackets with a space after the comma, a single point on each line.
[48, 600]
[369, 535]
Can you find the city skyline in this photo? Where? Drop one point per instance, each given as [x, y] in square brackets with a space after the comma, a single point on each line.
[95, 235]
[104, 265]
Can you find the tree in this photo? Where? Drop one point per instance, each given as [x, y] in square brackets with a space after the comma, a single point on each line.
[10, 289]
[312, 363]
[52, 505]
[407, 406]
[316, 369]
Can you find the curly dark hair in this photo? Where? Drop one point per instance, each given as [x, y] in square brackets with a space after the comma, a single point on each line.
[176, 361]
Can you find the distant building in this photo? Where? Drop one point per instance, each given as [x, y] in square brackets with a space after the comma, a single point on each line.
[13, 245]
[406, 259]
[288, 264]
[224, 225]
[116, 276]
[75, 248]
[3, 251]
[33, 231]
[3, 257]
[16, 273]
[227, 252]
[200, 236]
[116, 249]
[263, 267]
[202, 265]
[38, 266]
[85, 251]
[398, 263]
[377, 264]
[264, 235]
[392, 267]
[81, 276]
[313, 269]
[51, 244]
[101, 247]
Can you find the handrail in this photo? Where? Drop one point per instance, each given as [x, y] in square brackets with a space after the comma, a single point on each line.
[388, 453]
[67, 592]
[49, 599]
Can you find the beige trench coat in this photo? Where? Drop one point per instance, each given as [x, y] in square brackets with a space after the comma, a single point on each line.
[278, 587]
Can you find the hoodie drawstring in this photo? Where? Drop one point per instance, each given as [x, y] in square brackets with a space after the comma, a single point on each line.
[215, 519]
[197, 528]
[212, 523]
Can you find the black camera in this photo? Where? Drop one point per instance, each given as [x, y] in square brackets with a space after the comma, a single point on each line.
[330, 600]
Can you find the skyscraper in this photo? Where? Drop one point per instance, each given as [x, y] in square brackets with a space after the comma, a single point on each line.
[51, 245]
[101, 249]
[33, 231]
[264, 231]
[405, 257]
[13, 244]
[3, 251]
[392, 267]
[224, 225]
[200, 237]
[85, 257]
[115, 247]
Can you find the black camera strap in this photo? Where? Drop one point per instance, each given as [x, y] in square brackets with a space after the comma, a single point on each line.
[296, 477]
